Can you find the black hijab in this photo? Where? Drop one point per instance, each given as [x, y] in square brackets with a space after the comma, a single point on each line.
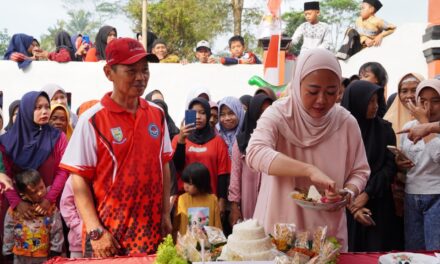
[12, 108]
[149, 96]
[101, 41]
[201, 136]
[250, 120]
[64, 41]
[172, 128]
[246, 100]
[356, 99]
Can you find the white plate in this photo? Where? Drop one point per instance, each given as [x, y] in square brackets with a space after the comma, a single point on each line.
[411, 258]
[317, 206]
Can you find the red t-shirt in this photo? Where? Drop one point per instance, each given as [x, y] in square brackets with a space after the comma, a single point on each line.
[213, 154]
[122, 155]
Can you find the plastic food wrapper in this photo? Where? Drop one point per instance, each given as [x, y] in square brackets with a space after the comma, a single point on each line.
[186, 247]
[215, 235]
[319, 238]
[284, 236]
[302, 240]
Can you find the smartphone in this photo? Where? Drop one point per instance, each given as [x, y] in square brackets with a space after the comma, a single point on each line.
[370, 219]
[397, 152]
[86, 39]
[190, 117]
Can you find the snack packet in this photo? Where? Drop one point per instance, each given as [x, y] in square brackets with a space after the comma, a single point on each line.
[302, 240]
[319, 238]
[284, 235]
[215, 235]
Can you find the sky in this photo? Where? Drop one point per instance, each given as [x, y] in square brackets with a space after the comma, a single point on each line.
[38, 15]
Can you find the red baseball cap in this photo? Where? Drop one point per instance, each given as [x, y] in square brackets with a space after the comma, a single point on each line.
[127, 51]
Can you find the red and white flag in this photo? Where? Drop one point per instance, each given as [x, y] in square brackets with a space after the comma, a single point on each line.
[271, 63]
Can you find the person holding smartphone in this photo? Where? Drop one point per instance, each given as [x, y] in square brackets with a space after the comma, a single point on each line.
[376, 202]
[422, 191]
[198, 142]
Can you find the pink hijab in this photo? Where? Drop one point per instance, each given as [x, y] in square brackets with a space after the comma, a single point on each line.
[431, 83]
[298, 127]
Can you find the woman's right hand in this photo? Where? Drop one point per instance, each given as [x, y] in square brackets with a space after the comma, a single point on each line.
[5, 183]
[185, 130]
[361, 216]
[319, 179]
[26, 210]
[235, 214]
[403, 164]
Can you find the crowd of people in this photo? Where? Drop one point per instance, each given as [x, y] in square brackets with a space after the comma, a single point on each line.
[117, 175]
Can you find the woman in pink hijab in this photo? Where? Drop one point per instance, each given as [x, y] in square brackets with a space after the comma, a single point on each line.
[305, 139]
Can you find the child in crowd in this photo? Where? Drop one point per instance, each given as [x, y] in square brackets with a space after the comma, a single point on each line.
[238, 54]
[369, 30]
[32, 240]
[231, 120]
[315, 34]
[197, 207]
[213, 120]
[375, 73]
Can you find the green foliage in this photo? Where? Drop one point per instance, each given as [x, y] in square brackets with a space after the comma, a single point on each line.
[181, 23]
[47, 41]
[4, 42]
[81, 21]
[167, 253]
[340, 14]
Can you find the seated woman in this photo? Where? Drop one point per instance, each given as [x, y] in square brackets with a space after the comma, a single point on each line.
[307, 139]
[64, 52]
[361, 99]
[422, 192]
[21, 49]
[104, 36]
[159, 48]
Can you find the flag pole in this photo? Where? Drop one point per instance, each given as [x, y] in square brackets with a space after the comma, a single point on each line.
[144, 23]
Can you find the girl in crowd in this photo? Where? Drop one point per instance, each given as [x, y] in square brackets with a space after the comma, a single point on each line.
[104, 36]
[153, 95]
[32, 143]
[361, 99]
[214, 115]
[231, 120]
[245, 101]
[297, 143]
[159, 48]
[374, 72]
[245, 182]
[60, 118]
[398, 113]
[422, 192]
[21, 49]
[199, 143]
[197, 207]
[58, 95]
[64, 52]
[13, 111]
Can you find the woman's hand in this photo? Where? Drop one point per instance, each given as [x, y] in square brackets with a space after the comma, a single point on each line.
[5, 183]
[235, 214]
[106, 246]
[43, 208]
[185, 130]
[363, 216]
[26, 210]
[319, 179]
[403, 164]
[360, 201]
[420, 112]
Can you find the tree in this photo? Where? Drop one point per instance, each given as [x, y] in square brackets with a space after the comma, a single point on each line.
[47, 41]
[181, 23]
[4, 42]
[81, 22]
[340, 14]
[237, 11]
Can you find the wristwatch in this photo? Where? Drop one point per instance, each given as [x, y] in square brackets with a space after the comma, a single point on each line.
[95, 234]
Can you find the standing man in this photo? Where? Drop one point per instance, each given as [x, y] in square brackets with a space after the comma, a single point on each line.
[118, 156]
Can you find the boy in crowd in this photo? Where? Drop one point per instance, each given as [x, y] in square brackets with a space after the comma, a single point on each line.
[32, 240]
[371, 28]
[203, 52]
[315, 34]
[238, 54]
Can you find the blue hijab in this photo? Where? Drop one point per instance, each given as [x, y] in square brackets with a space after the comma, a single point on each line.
[229, 135]
[19, 43]
[26, 143]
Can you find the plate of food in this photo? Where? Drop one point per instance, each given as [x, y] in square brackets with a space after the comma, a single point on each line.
[313, 199]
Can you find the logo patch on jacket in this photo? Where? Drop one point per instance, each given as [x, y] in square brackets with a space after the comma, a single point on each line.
[117, 135]
[154, 131]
